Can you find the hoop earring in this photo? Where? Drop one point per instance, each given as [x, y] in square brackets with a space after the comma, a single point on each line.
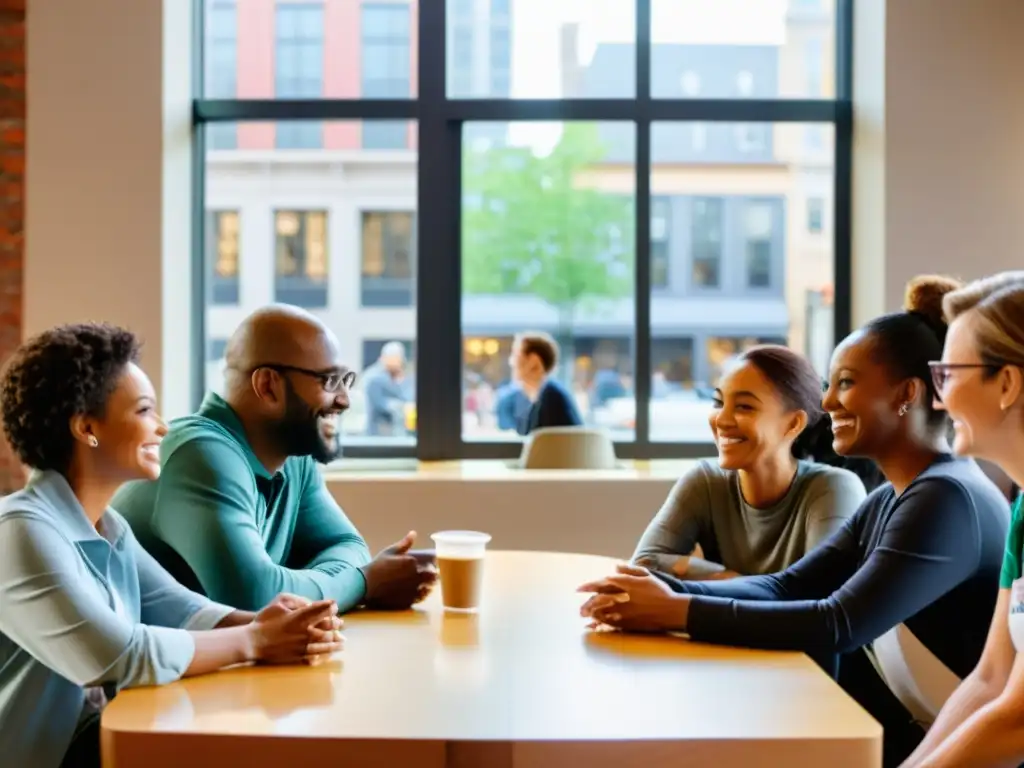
[93, 442]
[903, 409]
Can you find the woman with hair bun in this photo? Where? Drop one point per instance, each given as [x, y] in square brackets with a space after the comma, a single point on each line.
[922, 553]
[765, 502]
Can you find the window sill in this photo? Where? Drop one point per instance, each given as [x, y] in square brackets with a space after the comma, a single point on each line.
[349, 470]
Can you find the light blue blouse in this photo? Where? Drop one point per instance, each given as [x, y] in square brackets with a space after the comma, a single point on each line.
[80, 609]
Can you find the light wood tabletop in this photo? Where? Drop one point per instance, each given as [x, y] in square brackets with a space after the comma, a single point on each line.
[523, 683]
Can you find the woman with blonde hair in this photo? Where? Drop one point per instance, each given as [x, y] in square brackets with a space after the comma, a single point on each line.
[980, 381]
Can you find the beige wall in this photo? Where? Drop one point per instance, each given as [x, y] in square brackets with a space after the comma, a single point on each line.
[939, 165]
[602, 517]
[108, 175]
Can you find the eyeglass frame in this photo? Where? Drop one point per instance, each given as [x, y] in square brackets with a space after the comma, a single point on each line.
[940, 371]
[346, 379]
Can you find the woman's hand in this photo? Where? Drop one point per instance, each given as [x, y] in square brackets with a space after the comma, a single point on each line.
[327, 631]
[293, 629]
[635, 601]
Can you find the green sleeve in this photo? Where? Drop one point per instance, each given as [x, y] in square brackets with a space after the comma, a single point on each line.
[206, 509]
[326, 540]
[1014, 545]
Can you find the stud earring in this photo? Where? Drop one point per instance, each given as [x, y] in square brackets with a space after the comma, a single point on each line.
[93, 442]
[904, 408]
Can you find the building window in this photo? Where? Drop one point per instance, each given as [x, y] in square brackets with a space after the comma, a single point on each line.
[300, 245]
[221, 67]
[690, 82]
[706, 241]
[745, 84]
[815, 215]
[299, 69]
[757, 234]
[388, 258]
[699, 136]
[222, 237]
[661, 229]
[501, 57]
[462, 49]
[386, 69]
[813, 57]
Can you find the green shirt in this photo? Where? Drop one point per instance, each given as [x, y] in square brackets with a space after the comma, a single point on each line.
[1014, 546]
[225, 526]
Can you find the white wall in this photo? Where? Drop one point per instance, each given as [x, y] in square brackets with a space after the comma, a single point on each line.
[939, 157]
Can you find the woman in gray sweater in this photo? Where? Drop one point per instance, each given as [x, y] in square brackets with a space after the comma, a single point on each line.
[765, 502]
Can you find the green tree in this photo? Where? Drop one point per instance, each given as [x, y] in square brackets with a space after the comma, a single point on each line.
[532, 225]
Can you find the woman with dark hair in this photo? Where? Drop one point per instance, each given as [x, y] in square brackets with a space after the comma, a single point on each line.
[84, 611]
[765, 502]
[918, 563]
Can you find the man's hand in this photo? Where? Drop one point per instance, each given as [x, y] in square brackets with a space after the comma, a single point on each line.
[397, 578]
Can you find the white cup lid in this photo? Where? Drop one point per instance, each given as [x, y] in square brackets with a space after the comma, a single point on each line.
[461, 538]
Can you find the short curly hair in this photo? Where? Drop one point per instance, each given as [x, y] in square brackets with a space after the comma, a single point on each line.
[63, 372]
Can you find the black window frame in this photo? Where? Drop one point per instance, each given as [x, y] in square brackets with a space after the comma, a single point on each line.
[440, 120]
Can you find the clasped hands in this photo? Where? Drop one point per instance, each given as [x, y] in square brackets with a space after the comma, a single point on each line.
[634, 600]
[293, 629]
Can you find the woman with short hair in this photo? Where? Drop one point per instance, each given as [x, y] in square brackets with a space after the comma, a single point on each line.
[84, 610]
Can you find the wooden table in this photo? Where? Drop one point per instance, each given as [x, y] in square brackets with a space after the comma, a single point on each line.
[522, 684]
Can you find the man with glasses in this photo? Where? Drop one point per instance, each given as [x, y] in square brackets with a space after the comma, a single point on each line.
[241, 512]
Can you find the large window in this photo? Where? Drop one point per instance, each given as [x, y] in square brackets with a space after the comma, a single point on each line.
[655, 202]
[299, 67]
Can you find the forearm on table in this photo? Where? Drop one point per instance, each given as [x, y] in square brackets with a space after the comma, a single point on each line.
[972, 694]
[221, 648]
[253, 585]
[798, 625]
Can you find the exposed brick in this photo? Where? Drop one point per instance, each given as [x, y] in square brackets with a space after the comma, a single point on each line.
[12, 208]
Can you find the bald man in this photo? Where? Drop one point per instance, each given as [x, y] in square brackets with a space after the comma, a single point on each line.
[240, 511]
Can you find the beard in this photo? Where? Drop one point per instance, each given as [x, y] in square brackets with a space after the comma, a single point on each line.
[298, 432]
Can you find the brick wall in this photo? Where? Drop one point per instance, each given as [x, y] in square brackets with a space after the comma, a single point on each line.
[12, 208]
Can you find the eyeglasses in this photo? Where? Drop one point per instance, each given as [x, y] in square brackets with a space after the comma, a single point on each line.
[941, 371]
[331, 381]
